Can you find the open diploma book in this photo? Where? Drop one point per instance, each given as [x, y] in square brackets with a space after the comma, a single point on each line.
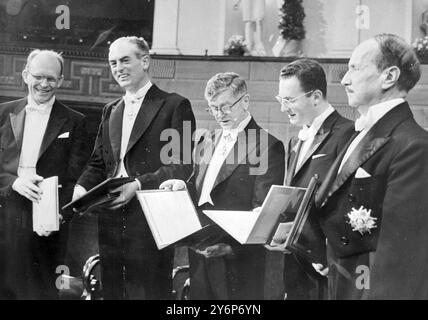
[249, 227]
[46, 212]
[171, 215]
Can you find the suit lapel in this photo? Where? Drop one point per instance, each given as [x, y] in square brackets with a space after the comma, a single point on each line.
[237, 155]
[17, 122]
[318, 139]
[150, 107]
[294, 155]
[374, 140]
[115, 127]
[367, 147]
[322, 134]
[55, 123]
[204, 155]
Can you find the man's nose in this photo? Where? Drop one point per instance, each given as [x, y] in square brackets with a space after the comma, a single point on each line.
[119, 66]
[345, 80]
[44, 82]
[284, 107]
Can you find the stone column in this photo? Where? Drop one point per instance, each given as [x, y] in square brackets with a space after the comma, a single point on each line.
[165, 27]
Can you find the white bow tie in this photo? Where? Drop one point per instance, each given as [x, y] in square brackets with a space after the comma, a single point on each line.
[361, 123]
[306, 132]
[229, 136]
[41, 108]
[132, 98]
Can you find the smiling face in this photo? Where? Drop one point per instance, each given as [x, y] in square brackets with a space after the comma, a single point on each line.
[237, 113]
[363, 80]
[128, 65]
[300, 111]
[43, 77]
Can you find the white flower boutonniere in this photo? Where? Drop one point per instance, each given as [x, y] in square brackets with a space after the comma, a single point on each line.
[361, 220]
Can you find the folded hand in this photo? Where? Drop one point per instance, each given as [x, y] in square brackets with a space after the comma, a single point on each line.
[217, 250]
[320, 269]
[173, 185]
[27, 186]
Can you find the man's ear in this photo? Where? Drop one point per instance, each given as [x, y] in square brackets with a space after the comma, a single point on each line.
[60, 81]
[25, 75]
[317, 96]
[246, 101]
[390, 77]
[145, 61]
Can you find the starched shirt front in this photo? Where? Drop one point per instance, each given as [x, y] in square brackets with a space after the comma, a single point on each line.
[36, 122]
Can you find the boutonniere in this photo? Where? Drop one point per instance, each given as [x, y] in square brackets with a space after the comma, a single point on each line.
[361, 220]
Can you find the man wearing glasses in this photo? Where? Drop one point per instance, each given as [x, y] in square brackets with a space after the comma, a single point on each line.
[323, 134]
[40, 137]
[129, 144]
[234, 170]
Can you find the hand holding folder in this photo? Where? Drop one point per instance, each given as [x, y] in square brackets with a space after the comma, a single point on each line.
[99, 196]
[46, 211]
[256, 227]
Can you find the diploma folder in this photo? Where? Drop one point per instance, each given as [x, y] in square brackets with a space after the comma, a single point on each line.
[306, 238]
[170, 215]
[46, 211]
[98, 195]
[250, 227]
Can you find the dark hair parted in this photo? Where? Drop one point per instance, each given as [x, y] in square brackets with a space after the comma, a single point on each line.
[310, 74]
[394, 51]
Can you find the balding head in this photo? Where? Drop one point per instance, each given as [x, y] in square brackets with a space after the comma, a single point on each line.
[43, 74]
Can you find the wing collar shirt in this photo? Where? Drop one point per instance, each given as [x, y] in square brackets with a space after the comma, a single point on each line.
[133, 104]
[307, 134]
[365, 123]
[226, 143]
[36, 122]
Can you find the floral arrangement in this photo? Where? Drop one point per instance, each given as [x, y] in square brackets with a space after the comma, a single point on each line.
[236, 46]
[420, 45]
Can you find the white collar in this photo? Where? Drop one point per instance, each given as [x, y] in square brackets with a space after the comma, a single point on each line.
[375, 113]
[140, 94]
[44, 108]
[306, 131]
[235, 131]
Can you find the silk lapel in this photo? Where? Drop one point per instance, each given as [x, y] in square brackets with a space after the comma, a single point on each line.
[17, 122]
[115, 127]
[377, 137]
[242, 148]
[318, 139]
[56, 121]
[322, 134]
[205, 152]
[364, 150]
[148, 110]
[294, 155]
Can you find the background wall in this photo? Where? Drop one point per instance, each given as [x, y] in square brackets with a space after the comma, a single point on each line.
[331, 30]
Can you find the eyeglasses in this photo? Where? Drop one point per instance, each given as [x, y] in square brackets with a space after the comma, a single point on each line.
[51, 80]
[287, 101]
[224, 109]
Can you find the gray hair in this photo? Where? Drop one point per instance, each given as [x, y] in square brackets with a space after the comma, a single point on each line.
[140, 42]
[225, 81]
[394, 51]
[52, 53]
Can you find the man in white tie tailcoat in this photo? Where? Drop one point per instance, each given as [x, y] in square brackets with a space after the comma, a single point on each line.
[373, 202]
[40, 137]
